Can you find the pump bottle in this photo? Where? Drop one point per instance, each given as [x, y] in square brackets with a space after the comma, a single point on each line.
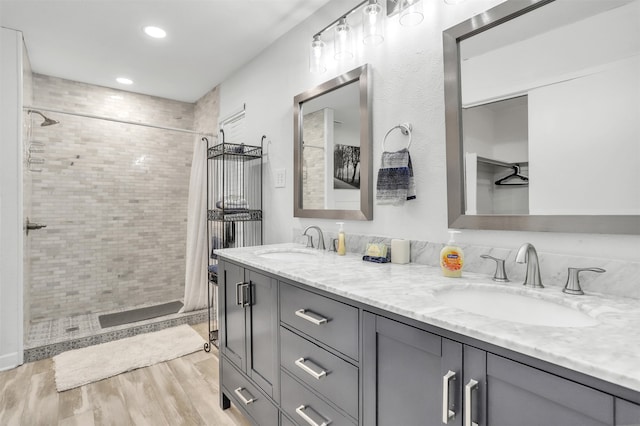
[452, 258]
[342, 247]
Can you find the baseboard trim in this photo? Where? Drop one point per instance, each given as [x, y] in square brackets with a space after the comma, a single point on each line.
[10, 361]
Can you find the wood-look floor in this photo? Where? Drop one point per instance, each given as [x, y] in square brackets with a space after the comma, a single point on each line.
[183, 391]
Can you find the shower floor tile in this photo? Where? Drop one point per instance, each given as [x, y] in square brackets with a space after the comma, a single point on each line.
[45, 339]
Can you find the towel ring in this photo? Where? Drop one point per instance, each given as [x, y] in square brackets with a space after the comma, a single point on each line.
[405, 128]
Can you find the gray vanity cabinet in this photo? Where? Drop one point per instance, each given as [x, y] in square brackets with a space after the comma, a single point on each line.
[522, 395]
[403, 370]
[627, 413]
[248, 338]
[410, 376]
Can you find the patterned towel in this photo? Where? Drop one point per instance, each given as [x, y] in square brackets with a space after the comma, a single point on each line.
[395, 178]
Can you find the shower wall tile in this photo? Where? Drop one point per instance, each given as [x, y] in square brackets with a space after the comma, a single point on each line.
[207, 111]
[114, 198]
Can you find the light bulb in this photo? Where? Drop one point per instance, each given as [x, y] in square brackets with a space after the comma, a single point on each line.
[343, 40]
[316, 56]
[373, 23]
[155, 32]
[410, 12]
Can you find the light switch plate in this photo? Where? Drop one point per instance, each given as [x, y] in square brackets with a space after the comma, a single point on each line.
[281, 178]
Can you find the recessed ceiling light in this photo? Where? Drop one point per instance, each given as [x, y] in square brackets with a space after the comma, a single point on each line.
[154, 32]
[124, 80]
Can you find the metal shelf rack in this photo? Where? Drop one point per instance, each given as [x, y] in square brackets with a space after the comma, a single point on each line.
[234, 209]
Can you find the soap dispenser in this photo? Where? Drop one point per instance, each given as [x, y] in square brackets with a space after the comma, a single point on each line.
[452, 258]
[342, 247]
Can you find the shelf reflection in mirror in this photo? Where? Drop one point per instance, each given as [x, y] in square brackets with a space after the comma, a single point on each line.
[548, 86]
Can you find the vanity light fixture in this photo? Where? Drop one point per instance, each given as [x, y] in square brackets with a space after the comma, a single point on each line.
[155, 32]
[316, 56]
[410, 12]
[343, 40]
[372, 23]
[124, 80]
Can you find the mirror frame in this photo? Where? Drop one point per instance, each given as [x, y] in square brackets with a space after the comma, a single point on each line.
[592, 224]
[362, 75]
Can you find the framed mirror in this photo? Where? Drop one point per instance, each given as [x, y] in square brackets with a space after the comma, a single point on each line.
[541, 103]
[333, 165]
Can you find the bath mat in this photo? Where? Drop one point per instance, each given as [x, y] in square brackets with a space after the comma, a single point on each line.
[87, 365]
[140, 314]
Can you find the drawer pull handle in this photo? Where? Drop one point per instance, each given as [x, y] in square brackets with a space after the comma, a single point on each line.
[239, 294]
[447, 414]
[468, 402]
[312, 319]
[300, 363]
[242, 398]
[301, 412]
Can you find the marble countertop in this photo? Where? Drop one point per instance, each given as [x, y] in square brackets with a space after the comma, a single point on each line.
[609, 350]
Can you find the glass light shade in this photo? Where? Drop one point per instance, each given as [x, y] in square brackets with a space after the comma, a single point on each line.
[343, 40]
[453, 1]
[372, 23]
[411, 12]
[316, 56]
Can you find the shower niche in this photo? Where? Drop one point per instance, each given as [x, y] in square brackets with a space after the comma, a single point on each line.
[234, 207]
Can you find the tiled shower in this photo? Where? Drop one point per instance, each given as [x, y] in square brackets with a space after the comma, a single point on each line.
[113, 197]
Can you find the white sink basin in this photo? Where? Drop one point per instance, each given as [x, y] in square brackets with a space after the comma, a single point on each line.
[292, 254]
[514, 307]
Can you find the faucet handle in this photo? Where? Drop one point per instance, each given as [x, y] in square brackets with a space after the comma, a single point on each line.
[573, 280]
[333, 244]
[501, 274]
[309, 240]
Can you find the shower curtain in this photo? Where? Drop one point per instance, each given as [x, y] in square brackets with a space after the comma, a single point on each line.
[195, 281]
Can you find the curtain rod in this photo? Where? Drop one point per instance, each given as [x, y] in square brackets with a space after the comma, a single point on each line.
[116, 120]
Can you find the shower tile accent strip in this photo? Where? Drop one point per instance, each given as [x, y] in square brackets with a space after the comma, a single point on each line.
[43, 351]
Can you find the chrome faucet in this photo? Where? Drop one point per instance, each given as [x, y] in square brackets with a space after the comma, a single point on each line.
[310, 239]
[527, 254]
[573, 280]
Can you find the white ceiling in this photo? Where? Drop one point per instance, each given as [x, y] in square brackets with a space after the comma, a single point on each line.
[95, 41]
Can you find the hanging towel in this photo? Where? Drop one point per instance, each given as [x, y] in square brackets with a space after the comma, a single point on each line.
[395, 178]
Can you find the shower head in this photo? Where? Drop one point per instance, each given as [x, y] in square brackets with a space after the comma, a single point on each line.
[47, 121]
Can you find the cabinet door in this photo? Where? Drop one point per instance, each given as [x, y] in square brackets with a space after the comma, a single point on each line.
[262, 332]
[232, 316]
[404, 370]
[627, 413]
[474, 386]
[521, 395]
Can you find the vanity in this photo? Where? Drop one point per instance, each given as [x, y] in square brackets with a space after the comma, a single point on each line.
[311, 338]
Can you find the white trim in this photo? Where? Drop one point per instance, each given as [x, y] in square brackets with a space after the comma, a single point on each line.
[11, 233]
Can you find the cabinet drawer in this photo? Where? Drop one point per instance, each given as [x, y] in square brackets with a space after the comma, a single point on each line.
[340, 381]
[298, 402]
[237, 387]
[329, 321]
